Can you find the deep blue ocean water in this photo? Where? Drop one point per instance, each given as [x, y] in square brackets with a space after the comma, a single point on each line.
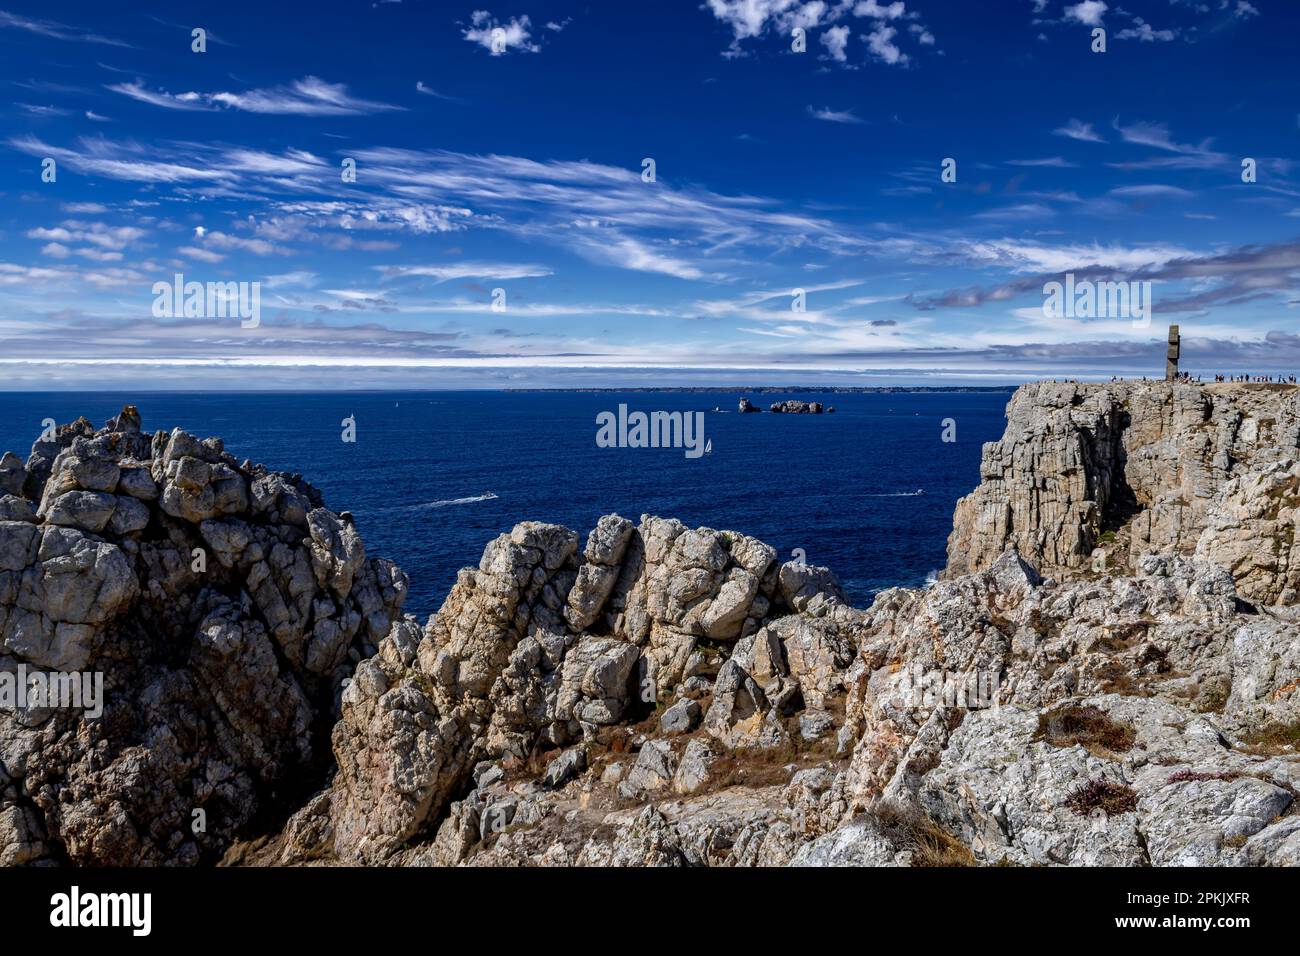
[842, 487]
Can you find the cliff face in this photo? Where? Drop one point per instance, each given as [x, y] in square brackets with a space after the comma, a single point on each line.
[222, 606]
[660, 695]
[1095, 476]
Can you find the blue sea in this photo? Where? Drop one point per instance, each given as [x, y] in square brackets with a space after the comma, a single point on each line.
[868, 491]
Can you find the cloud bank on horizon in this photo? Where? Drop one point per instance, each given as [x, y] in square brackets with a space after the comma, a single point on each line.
[738, 191]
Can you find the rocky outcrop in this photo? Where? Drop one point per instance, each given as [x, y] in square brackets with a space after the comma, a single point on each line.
[794, 407]
[1094, 477]
[995, 717]
[657, 695]
[220, 605]
[746, 407]
[547, 644]
[1143, 712]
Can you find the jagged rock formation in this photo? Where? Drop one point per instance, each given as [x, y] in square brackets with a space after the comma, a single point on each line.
[222, 604]
[794, 407]
[656, 695]
[746, 407]
[1101, 475]
[546, 644]
[1134, 720]
[993, 718]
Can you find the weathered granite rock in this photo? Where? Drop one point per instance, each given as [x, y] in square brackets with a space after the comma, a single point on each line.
[546, 645]
[1102, 474]
[653, 770]
[680, 718]
[565, 767]
[12, 474]
[694, 771]
[859, 843]
[802, 583]
[737, 715]
[220, 663]
[1182, 795]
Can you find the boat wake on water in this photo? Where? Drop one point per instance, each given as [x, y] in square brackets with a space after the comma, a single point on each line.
[898, 494]
[448, 502]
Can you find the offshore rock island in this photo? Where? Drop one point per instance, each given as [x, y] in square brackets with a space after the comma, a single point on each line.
[1106, 673]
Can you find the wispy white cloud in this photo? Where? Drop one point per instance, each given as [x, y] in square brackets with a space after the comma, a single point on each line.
[1016, 212]
[1152, 191]
[288, 163]
[1144, 32]
[420, 87]
[628, 252]
[1023, 256]
[56, 31]
[38, 110]
[310, 96]
[99, 255]
[300, 278]
[202, 255]
[226, 242]
[835, 116]
[1081, 131]
[94, 233]
[1157, 136]
[467, 270]
[1151, 134]
[601, 213]
[116, 161]
[1057, 162]
[171, 101]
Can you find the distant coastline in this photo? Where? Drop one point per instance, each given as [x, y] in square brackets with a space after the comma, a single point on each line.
[131, 391]
[785, 389]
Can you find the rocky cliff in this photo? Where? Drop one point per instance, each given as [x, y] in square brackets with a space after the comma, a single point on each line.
[654, 694]
[1097, 476]
[223, 606]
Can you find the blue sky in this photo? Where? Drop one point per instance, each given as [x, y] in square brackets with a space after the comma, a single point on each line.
[521, 169]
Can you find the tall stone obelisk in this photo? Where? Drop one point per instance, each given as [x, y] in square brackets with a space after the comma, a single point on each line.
[1171, 357]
